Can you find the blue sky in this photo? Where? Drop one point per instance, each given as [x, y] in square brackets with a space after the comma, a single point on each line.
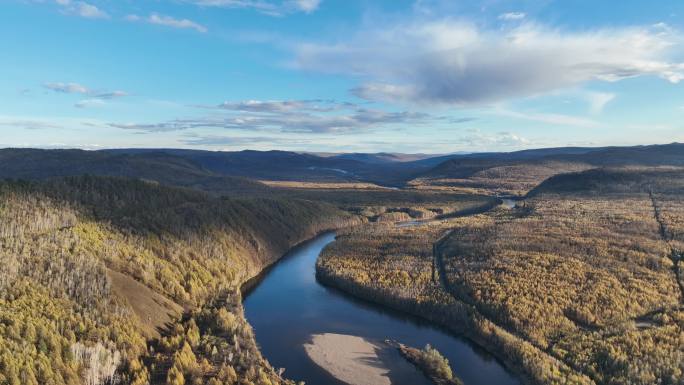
[321, 75]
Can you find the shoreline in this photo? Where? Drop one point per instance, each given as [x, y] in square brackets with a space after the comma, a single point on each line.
[351, 359]
[251, 280]
[422, 311]
[357, 360]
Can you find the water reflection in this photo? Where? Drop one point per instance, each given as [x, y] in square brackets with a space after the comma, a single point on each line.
[286, 306]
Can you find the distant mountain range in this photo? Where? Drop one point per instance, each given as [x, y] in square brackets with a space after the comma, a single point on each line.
[651, 155]
[386, 157]
[240, 171]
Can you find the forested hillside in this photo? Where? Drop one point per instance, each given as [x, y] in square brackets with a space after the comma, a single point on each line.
[158, 166]
[517, 173]
[114, 280]
[580, 283]
[216, 171]
[111, 280]
[238, 171]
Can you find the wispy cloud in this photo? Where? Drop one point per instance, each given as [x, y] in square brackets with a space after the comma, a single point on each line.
[458, 63]
[307, 5]
[75, 88]
[283, 106]
[27, 124]
[479, 140]
[512, 16]
[466, 119]
[273, 8]
[88, 103]
[299, 116]
[233, 141]
[598, 101]
[168, 21]
[549, 118]
[82, 9]
[67, 88]
[95, 98]
[110, 94]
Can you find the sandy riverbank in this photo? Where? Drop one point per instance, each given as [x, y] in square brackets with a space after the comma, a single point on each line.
[357, 361]
[349, 358]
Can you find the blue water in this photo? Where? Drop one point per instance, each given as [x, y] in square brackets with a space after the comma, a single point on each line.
[286, 305]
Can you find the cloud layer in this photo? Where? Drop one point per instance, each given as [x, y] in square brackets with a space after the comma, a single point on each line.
[95, 98]
[503, 139]
[300, 116]
[75, 88]
[168, 21]
[27, 124]
[273, 8]
[82, 9]
[457, 63]
[512, 16]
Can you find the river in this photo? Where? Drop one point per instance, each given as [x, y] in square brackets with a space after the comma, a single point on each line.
[286, 305]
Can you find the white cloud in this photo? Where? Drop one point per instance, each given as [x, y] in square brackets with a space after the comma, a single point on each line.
[458, 63]
[498, 140]
[663, 28]
[598, 100]
[512, 16]
[90, 11]
[232, 141]
[284, 106]
[67, 88]
[75, 88]
[87, 103]
[307, 5]
[273, 8]
[168, 21]
[175, 23]
[27, 124]
[109, 94]
[295, 116]
[82, 9]
[553, 119]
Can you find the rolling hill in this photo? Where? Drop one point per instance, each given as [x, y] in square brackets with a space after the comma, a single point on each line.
[94, 271]
[518, 172]
[159, 166]
[274, 165]
[237, 172]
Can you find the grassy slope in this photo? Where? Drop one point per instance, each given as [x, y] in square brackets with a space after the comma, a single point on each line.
[91, 252]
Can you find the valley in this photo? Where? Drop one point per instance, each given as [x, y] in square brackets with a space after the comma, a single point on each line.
[357, 192]
[168, 267]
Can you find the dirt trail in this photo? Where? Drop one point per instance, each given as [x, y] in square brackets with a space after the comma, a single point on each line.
[676, 256]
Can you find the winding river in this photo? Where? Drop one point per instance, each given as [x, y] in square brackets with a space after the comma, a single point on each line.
[286, 306]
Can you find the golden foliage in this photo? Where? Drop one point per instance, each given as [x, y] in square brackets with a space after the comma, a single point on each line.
[59, 238]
